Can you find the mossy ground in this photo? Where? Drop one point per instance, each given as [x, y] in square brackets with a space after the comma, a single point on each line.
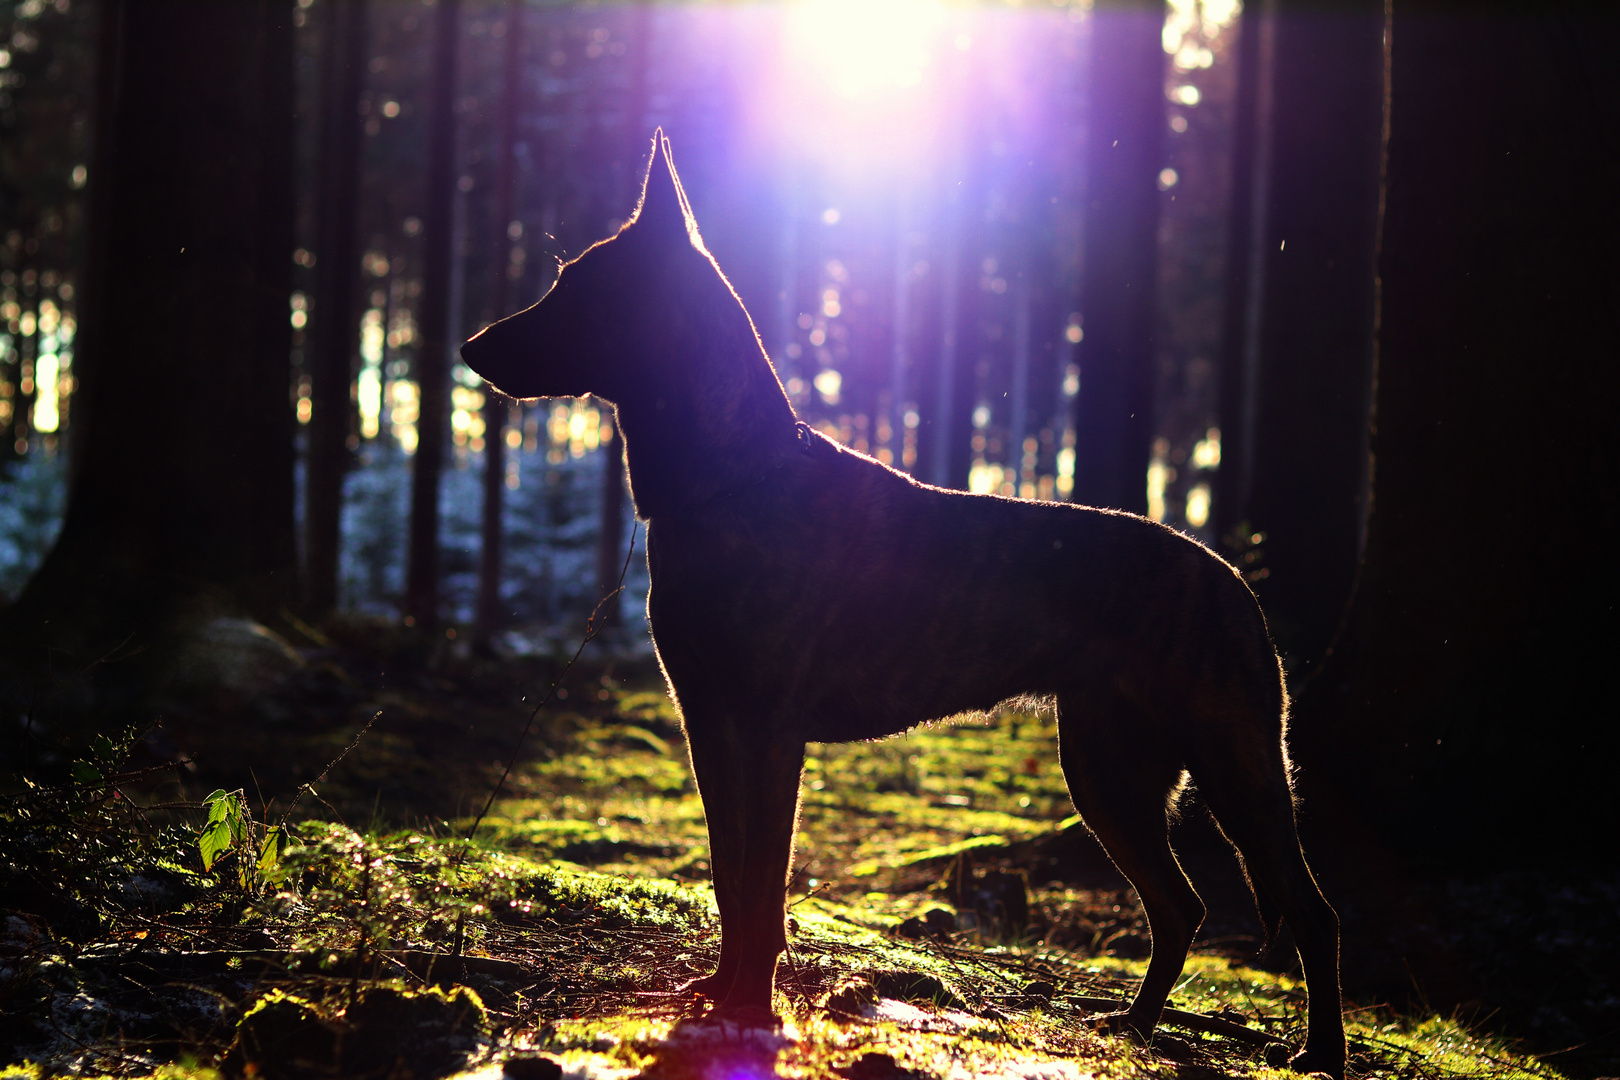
[582, 904]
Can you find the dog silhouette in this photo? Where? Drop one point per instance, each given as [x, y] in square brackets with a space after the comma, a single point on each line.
[803, 592]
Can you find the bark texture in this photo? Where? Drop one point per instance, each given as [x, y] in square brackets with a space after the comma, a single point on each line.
[1469, 706]
[334, 339]
[1124, 152]
[182, 500]
[432, 368]
[1303, 406]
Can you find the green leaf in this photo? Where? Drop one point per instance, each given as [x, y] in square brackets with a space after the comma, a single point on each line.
[105, 751]
[214, 842]
[219, 810]
[275, 839]
[85, 773]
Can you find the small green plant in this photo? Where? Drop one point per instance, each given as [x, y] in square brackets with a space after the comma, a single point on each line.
[231, 830]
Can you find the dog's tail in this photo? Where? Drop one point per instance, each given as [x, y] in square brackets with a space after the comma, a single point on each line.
[1269, 913]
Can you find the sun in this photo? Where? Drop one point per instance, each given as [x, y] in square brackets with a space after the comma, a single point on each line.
[865, 48]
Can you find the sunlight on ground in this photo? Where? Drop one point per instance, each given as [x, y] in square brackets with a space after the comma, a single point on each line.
[880, 822]
[586, 966]
[867, 807]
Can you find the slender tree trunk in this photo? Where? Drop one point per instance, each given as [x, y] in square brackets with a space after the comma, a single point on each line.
[1245, 288]
[1311, 390]
[961, 295]
[1119, 275]
[1468, 709]
[183, 510]
[935, 440]
[610, 541]
[610, 536]
[337, 248]
[491, 613]
[433, 355]
[963, 330]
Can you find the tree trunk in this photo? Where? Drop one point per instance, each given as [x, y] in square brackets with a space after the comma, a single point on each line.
[433, 355]
[1469, 706]
[1309, 391]
[1114, 412]
[1244, 286]
[491, 614]
[610, 535]
[946, 440]
[182, 502]
[332, 345]
[610, 542]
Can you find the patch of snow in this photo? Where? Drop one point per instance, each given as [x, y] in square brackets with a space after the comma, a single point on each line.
[584, 1065]
[905, 1015]
[1023, 1070]
[731, 1033]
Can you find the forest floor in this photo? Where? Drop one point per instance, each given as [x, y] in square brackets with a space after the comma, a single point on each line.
[279, 883]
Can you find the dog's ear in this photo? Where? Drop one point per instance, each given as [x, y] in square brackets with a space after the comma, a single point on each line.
[663, 206]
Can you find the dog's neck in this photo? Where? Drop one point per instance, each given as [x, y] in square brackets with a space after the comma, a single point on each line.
[708, 415]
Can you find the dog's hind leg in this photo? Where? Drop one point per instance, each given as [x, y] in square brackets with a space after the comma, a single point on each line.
[1244, 780]
[1122, 782]
[748, 777]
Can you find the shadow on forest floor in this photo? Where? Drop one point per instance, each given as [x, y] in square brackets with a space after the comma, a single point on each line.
[947, 916]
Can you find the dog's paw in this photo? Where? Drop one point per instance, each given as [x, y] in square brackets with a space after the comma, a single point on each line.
[745, 1016]
[709, 987]
[1121, 1023]
[1316, 1063]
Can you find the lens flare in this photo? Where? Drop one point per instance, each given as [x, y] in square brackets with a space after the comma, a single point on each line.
[860, 74]
[865, 47]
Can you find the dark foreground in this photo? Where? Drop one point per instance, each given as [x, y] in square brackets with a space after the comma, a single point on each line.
[944, 919]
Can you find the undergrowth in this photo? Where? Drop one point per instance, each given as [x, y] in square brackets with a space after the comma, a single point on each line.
[190, 937]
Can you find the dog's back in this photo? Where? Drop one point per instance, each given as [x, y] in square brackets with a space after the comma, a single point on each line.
[876, 603]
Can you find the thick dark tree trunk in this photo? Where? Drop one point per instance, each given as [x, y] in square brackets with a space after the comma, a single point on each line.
[490, 613]
[1306, 414]
[433, 356]
[333, 341]
[182, 502]
[1469, 706]
[1114, 412]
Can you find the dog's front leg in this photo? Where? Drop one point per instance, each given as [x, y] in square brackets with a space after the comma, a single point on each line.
[748, 776]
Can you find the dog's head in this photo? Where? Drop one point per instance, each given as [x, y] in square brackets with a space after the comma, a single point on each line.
[597, 317]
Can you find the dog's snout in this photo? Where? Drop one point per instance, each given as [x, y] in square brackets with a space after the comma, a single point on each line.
[476, 352]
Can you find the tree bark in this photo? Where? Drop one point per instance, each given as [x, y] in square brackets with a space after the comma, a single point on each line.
[433, 355]
[491, 614]
[1245, 288]
[182, 501]
[1114, 412]
[610, 542]
[1469, 706]
[610, 536]
[1309, 392]
[332, 345]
